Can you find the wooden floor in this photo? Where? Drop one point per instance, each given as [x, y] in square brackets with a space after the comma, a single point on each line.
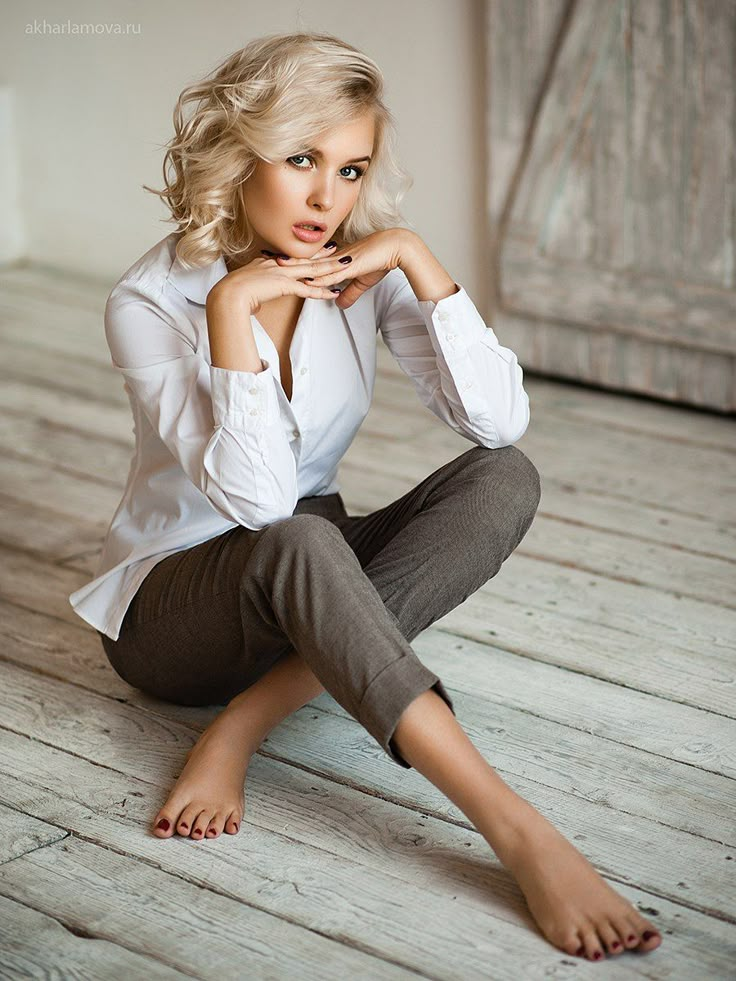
[595, 672]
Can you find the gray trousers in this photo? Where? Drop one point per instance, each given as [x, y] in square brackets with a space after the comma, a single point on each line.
[348, 593]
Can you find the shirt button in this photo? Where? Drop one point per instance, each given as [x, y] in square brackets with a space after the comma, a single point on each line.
[305, 370]
[253, 391]
[295, 432]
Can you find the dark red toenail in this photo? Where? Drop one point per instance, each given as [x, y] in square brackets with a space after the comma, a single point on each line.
[197, 831]
[648, 934]
[615, 944]
[631, 939]
[163, 824]
[597, 955]
[580, 950]
[183, 825]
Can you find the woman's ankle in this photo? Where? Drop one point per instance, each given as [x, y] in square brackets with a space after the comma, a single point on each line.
[284, 689]
[512, 826]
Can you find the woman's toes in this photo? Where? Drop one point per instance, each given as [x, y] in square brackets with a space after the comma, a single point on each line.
[592, 944]
[630, 935]
[200, 825]
[650, 937]
[232, 824]
[573, 944]
[611, 940]
[186, 819]
[214, 829]
[163, 825]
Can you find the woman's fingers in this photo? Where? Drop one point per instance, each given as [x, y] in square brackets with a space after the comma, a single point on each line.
[326, 250]
[319, 292]
[316, 267]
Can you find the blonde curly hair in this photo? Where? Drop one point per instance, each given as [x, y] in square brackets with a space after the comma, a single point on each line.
[267, 101]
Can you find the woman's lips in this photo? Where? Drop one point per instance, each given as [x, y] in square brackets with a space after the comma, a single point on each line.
[306, 235]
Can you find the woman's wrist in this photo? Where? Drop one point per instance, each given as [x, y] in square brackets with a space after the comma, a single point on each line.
[427, 277]
[229, 299]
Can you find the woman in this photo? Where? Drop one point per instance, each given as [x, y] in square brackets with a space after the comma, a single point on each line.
[231, 573]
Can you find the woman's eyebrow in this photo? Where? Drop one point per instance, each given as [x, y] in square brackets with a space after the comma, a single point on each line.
[318, 153]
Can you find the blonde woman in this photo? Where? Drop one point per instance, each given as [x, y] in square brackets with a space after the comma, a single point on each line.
[231, 573]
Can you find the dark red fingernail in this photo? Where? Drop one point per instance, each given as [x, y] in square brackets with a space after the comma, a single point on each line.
[648, 934]
[331, 245]
[345, 258]
[282, 257]
[335, 289]
[266, 252]
[309, 279]
[163, 824]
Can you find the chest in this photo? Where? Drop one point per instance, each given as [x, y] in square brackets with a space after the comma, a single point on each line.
[280, 322]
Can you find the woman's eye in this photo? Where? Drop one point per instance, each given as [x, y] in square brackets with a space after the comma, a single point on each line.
[302, 156]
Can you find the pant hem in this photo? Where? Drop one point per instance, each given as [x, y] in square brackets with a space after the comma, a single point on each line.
[390, 693]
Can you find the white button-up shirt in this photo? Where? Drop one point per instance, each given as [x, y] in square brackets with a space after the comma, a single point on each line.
[216, 448]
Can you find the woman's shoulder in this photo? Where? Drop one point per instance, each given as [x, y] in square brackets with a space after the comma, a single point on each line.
[149, 275]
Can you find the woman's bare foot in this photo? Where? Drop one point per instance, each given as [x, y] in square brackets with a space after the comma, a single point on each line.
[209, 795]
[574, 906]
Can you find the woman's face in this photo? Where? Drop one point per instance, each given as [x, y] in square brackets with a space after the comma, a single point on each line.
[318, 184]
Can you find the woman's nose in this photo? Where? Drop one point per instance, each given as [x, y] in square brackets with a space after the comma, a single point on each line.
[322, 195]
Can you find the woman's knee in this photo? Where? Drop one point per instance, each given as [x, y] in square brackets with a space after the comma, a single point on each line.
[307, 533]
[511, 466]
[528, 477]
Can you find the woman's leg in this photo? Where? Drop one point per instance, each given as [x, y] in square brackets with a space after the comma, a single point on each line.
[575, 908]
[425, 553]
[502, 491]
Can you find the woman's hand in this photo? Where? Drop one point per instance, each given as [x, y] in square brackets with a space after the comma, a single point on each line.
[262, 280]
[370, 259]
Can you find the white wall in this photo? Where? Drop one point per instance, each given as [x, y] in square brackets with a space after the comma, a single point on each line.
[12, 243]
[93, 111]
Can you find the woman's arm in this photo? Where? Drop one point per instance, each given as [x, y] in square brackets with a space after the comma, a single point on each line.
[221, 425]
[232, 344]
[458, 367]
[428, 278]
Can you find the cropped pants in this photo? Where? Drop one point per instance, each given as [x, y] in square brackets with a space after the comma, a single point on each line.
[347, 592]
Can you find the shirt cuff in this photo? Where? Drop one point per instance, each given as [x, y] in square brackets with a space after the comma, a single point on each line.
[244, 399]
[458, 326]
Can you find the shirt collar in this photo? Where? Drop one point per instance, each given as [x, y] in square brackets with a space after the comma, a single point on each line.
[196, 283]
